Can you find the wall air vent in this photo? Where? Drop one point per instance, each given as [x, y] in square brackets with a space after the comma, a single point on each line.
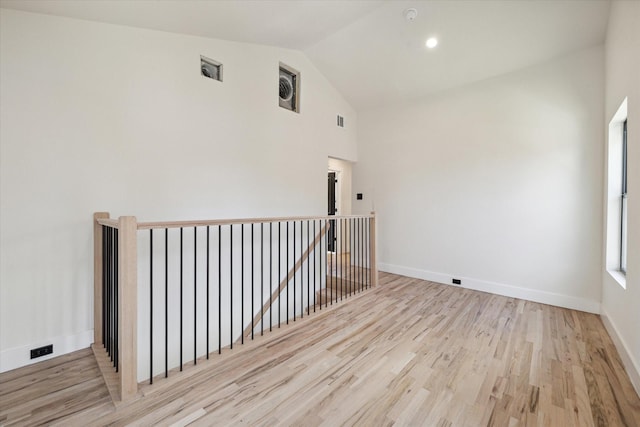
[210, 68]
[289, 88]
[340, 121]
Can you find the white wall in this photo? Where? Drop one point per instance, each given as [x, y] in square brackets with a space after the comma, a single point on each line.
[102, 117]
[621, 307]
[498, 183]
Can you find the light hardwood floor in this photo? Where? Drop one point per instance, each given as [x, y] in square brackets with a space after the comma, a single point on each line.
[409, 352]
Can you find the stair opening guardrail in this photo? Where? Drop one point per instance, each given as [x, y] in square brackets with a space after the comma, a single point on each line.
[172, 293]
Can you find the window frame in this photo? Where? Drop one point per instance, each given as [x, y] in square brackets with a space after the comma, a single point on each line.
[623, 203]
[616, 199]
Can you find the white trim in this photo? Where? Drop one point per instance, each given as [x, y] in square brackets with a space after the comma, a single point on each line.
[619, 277]
[632, 368]
[20, 356]
[566, 301]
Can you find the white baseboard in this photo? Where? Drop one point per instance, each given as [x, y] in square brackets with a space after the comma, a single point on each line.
[21, 356]
[566, 301]
[632, 368]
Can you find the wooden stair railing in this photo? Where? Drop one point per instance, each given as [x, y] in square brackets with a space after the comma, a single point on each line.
[116, 285]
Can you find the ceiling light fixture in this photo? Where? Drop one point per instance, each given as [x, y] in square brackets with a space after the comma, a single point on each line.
[431, 42]
[410, 14]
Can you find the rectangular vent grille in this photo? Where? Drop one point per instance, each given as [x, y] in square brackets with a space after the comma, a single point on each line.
[340, 121]
[210, 68]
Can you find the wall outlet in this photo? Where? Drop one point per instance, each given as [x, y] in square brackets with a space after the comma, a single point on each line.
[42, 351]
[456, 281]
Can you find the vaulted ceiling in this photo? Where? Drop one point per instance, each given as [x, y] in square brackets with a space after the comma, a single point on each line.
[367, 49]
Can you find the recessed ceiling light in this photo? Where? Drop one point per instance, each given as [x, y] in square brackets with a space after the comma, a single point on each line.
[431, 42]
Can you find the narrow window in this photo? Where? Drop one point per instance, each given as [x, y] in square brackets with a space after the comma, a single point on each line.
[623, 203]
[617, 197]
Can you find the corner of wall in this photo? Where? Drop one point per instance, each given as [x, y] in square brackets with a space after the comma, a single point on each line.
[623, 350]
[535, 295]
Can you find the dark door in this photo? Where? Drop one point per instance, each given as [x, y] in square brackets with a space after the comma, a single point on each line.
[331, 204]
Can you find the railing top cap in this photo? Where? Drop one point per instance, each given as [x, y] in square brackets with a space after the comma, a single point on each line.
[109, 222]
[112, 222]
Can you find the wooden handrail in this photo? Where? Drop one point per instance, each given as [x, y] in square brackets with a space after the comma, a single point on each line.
[109, 222]
[212, 222]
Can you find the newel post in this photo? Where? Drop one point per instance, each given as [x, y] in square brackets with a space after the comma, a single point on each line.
[97, 276]
[372, 250]
[128, 305]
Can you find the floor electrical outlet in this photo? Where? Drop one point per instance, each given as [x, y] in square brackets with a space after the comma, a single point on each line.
[42, 351]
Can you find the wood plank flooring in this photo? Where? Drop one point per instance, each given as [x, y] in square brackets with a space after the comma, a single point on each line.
[408, 352]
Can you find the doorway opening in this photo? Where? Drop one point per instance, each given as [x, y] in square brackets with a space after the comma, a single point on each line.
[332, 209]
[339, 204]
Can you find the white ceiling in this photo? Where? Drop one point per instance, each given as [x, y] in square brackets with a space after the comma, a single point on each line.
[381, 58]
[366, 48]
